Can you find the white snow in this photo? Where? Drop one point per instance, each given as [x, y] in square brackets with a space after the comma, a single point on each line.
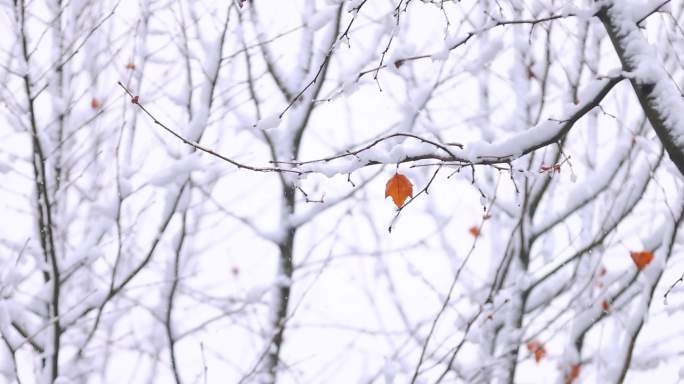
[269, 122]
[321, 18]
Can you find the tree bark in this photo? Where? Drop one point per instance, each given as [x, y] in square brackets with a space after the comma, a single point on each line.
[657, 94]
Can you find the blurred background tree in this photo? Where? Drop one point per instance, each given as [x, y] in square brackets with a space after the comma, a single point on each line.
[193, 191]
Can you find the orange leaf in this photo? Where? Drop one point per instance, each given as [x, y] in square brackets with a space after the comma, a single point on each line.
[641, 259]
[475, 231]
[399, 187]
[605, 305]
[573, 374]
[130, 66]
[94, 103]
[537, 349]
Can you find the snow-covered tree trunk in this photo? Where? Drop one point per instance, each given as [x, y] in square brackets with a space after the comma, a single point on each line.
[658, 95]
[193, 191]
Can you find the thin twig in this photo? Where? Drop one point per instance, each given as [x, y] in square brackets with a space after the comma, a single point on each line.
[136, 100]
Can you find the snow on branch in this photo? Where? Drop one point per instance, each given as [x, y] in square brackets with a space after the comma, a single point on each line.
[657, 93]
[416, 148]
[420, 148]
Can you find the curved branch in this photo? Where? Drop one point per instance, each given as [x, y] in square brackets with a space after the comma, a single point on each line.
[476, 153]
